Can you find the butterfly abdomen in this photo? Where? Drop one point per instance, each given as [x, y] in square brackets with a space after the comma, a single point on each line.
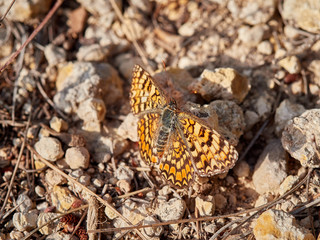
[167, 125]
[162, 140]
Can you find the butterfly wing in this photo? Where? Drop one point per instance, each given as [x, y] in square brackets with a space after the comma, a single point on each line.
[210, 152]
[145, 95]
[175, 165]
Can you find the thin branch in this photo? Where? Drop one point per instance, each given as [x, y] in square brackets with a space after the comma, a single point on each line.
[33, 34]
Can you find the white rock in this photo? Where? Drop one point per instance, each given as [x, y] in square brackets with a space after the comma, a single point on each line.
[291, 64]
[79, 81]
[263, 105]
[302, 13]
[25, 203]
[58, 124]
[54, 178]
[43, 219]
[14, 235]
[128, 128]
[285, 112]
[49, 148]
[92, 110]
[205, 205]
[98, 182]
[92, 53]
[77, 157]
[252, 12]
[275, 224]
[152, 232]
[252, 36]
[265, 47]
[124, 173]
[271, 165]
[54, 54]
[40, 191]
[25, 221]
[300, 136]
[171, 210]
[251, 118]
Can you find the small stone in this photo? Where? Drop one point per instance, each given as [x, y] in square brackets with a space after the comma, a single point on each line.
[271, 165]
[93, 53]
[314, 67]
[288, 183]
[77, 157]
[265, 47]
[220, 200]
[280, 53]
[205, 205]
[211, 228]
[303, 14]
[24, 203]
[124, 173]
[40, 191]
[62, 198]
[98, 182]
[124, 186]
[54, 178]
[291, 32]
[225, 83]
[251, 118]
[301, 137]
[171, 210]
[92, 109]
[127, 128]
[14, 235]
[85, 180]
[45, 218]
[110, 213]
[152, 231]
[252, 36]
[263, 199]
[242, 169]
[285, 112]
[291, 64]
[187, 29]
[49, 148]
[25, 221]
[276, 224]
[42, 206]
[78, 81]
[58, 124]
[252, 12]
[54, 54]
[263, 105]
[134, 212]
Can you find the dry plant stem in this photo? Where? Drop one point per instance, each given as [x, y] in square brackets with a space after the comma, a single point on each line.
[5, 14]
[84, 188]
[33, 34]
[52, 220]
[15, 168]
[262, 207]
[134, 193]
[17, 69]
[78, 225]
[216, 234]
[132, 35]
[254, 139]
